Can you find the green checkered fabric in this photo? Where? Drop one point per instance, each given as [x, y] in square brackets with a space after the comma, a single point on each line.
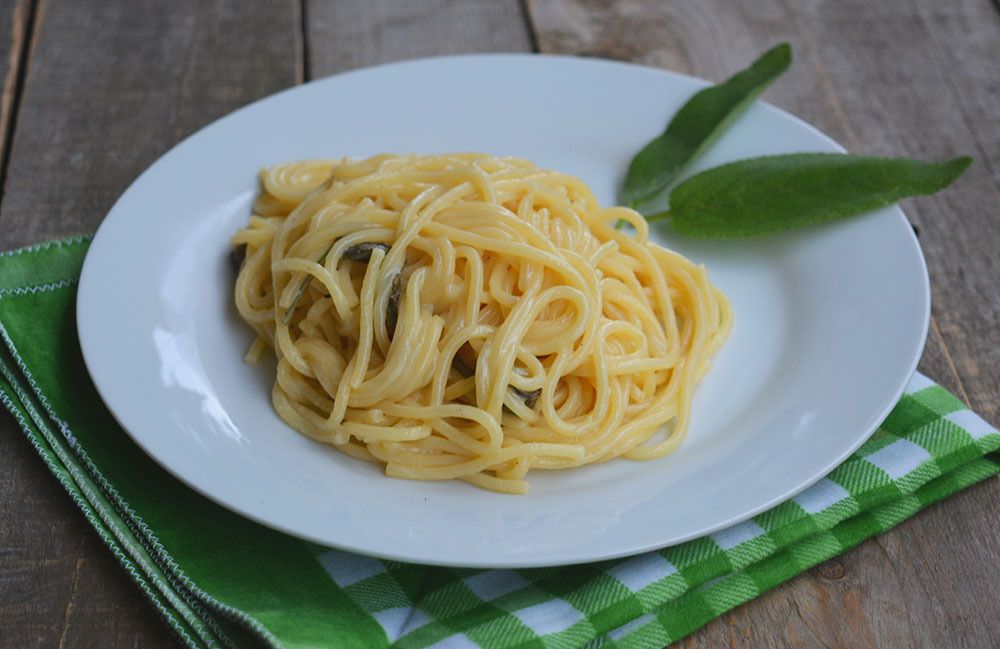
[222, 581]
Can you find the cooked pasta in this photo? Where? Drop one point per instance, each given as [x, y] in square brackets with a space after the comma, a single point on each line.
[471, 317]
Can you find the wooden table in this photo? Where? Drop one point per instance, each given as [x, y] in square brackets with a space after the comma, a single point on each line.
[96, 91]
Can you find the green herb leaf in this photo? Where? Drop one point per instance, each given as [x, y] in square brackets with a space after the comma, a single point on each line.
[300, 292]
[697, 124]
[763, 195]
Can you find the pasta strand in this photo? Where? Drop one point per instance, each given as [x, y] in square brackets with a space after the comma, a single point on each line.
[471, 317]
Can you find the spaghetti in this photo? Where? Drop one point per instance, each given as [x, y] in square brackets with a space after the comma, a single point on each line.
[472, 317]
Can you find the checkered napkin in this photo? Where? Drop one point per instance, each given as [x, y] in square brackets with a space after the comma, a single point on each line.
[220, 580]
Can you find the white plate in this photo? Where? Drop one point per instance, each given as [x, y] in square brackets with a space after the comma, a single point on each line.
[830, 321]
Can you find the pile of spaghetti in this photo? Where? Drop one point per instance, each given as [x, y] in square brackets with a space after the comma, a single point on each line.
[472, 317]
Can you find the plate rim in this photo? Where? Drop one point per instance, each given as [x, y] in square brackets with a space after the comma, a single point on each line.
[114, 214]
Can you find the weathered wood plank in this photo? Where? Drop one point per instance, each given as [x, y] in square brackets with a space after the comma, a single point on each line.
[15, 25]
[111, 86]
[357, 33]
[892, 78]
[964, 48]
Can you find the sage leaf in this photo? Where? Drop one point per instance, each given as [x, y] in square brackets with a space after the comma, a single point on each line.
[760, 196]
[392, 307]
[363, 251]
[360, 252]
[697, 125]
[464, 363]
[530, 397]
[300, 292]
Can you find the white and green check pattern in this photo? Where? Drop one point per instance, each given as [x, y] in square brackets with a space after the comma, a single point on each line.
[656, 598]
[220, 580]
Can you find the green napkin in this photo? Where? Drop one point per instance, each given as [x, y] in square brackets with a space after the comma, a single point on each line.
[220, 580]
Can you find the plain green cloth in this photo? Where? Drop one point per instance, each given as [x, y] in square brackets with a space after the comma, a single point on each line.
[220, 580]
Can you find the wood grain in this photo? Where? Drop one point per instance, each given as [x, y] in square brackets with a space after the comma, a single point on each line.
[346, 35]
[110, 87]
[891, 78]
[113, 84]
[16, 18]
